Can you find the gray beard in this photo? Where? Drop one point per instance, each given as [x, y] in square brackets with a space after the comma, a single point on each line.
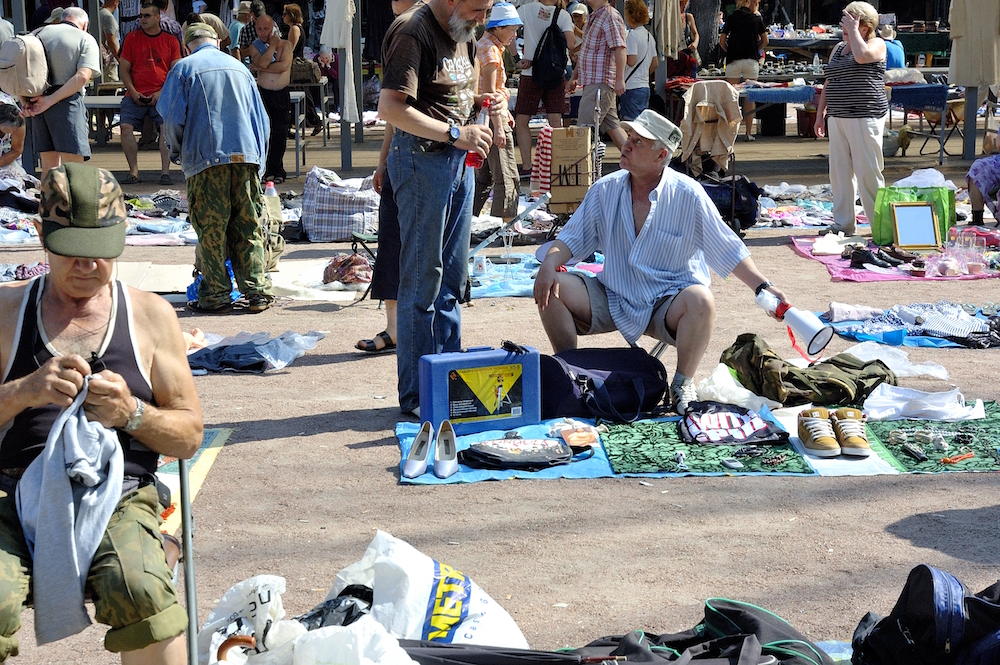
[461, 31]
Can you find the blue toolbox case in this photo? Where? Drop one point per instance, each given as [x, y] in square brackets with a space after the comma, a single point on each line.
[481, 388]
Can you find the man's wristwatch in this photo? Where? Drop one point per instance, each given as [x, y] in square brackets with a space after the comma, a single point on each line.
[763, 285]
[134, 421]
[454, 133]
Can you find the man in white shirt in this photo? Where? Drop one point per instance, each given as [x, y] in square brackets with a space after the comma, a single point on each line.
[660, 233]
[537, 16]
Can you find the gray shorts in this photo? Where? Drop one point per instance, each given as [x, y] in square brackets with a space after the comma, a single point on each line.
[63, 128]
[133, 115]
[600, 313]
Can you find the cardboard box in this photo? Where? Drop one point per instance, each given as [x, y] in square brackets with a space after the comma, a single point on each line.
[563, 208]
[571, 164]
[568, 194]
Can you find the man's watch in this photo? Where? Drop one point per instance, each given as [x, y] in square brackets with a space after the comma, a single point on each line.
[764, 285]
[134, 421]
[454, 133]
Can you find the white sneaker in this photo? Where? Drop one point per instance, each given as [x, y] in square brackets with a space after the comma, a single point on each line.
[682, 394]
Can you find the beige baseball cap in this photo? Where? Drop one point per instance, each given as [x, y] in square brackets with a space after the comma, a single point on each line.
[653, 126]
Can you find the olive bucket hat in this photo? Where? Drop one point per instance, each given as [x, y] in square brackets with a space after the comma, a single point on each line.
[83, 212]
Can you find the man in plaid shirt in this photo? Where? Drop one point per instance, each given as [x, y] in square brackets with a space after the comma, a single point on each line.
[600, 70]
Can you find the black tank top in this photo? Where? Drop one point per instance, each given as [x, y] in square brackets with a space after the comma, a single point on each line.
[28, 431]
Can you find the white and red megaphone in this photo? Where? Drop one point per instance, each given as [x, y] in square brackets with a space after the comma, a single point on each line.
[804, 325]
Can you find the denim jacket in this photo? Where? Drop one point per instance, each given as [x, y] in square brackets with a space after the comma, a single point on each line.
[212, 113]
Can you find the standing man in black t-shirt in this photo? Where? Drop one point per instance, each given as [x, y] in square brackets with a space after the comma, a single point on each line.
[428, 95]
[743, 38]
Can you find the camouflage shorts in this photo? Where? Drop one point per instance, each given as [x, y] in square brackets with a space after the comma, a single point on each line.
[129, 580]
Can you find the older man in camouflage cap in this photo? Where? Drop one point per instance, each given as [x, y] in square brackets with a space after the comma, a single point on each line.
[660, 234]
[76, 322]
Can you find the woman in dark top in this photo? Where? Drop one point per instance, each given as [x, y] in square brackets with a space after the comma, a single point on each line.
[856, 106]
[292, 17]
[743, 38]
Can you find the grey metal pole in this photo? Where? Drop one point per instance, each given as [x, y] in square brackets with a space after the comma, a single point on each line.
[20, 15]
[970, 122]
[345, 127]
[359, 128]
[190, 590]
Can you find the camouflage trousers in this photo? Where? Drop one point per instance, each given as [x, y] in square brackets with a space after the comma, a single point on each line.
[225, 207]
[129, 580]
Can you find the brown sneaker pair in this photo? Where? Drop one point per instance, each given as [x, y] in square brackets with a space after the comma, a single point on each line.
[826, 434]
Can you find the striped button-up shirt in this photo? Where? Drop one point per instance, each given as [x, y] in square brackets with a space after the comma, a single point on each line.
[604, 33]
[683, 236]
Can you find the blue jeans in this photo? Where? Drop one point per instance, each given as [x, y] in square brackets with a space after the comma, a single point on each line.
[632, 103]
[434, 195]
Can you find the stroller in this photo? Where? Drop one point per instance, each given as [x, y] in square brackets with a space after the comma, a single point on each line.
[711, 122]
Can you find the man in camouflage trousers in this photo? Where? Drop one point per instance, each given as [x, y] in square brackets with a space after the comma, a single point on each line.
[216, 129]
[129, 343]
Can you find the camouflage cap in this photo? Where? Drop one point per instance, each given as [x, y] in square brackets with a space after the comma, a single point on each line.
[83, 212]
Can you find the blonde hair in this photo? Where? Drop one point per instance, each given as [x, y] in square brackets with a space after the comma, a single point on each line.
[866, 15]
[744, 3]
[637, 11]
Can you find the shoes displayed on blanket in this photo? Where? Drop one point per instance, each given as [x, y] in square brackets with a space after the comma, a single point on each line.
[860, 257]
[901, 254]
[416, 462]
[826, 434]
[443, 450]
[816, 432]
[849, 424]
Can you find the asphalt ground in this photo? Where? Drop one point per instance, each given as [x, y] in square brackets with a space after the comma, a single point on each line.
[311, 470]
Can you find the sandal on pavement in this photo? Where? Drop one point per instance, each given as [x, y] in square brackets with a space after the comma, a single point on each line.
[130, 179]
[370, 347]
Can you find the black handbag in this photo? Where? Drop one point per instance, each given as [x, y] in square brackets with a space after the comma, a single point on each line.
[527, 454]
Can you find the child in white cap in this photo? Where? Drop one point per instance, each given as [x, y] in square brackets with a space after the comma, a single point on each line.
[500, 168]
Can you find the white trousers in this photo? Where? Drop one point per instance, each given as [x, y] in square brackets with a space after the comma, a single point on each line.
[855, 164]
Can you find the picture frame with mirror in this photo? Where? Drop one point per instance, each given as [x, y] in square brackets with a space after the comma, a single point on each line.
[915, 226]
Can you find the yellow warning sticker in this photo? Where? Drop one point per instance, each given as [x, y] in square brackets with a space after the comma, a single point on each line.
[477, 393]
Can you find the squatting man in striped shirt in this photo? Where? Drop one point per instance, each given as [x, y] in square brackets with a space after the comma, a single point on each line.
[660, 234]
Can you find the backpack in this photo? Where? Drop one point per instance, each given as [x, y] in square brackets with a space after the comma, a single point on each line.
[548, 66]
[935, 621]
[840, 380]
[24, 66]
[617, 385]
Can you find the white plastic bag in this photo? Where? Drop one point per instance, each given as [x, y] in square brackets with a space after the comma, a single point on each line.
[364, 642]
[925, 178]
[419, 598]
[246, 609]
[894, 403]
[720, 386]
[897, 360]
